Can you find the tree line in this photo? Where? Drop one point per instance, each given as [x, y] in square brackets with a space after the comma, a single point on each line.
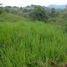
[36, 12]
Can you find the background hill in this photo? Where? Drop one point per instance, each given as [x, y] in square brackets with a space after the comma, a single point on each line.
[57, 6]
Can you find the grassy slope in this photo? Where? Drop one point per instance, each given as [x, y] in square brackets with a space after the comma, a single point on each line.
[31, 44]
[7, 17]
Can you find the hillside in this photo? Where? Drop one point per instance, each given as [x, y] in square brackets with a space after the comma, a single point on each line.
[8, 17]
[27, 44]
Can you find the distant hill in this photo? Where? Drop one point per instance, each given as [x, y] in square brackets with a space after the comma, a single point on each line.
[57, 6]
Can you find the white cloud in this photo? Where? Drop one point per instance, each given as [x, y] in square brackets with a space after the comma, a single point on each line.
[29, 2]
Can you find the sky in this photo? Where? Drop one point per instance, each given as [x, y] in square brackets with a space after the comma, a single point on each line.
[32, 2]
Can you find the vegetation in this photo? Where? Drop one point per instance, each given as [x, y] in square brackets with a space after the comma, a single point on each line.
[39, 13]
[28, 43]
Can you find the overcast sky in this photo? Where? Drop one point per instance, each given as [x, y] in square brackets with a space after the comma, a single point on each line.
[34, 2]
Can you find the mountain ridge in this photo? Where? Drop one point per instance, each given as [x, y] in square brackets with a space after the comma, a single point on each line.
[57, 6]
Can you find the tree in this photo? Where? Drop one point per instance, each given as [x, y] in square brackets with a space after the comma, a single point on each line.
[39, 13]
[53, 12]
[7, 8]
[1, 9]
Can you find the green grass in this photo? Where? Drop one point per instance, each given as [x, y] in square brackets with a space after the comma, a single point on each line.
[31, 44]
[8, 17]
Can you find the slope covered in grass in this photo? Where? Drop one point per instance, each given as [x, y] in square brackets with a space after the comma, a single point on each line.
[31, 44]
[8, 17]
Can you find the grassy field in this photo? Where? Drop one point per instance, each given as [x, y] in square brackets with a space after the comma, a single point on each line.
[27, 44]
